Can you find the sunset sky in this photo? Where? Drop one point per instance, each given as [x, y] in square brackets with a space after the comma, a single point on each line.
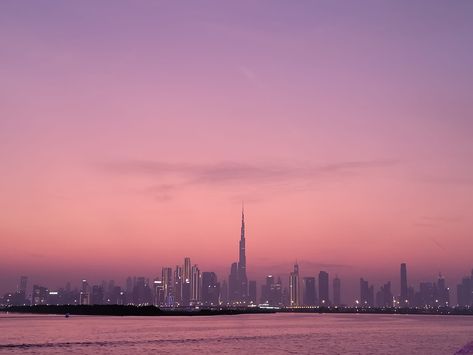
[131, 132]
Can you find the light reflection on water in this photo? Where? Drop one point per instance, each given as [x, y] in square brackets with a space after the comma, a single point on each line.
[263, 333]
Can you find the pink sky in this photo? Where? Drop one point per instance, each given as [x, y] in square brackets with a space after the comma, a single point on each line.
[130, 132]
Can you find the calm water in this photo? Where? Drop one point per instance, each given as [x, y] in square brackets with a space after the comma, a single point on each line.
[260, 334]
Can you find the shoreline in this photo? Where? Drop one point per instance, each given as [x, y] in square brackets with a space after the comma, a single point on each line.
[153, 311]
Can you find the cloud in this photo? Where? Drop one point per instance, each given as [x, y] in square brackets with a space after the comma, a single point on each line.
[436, 221]
[171, 176]
[226, 172]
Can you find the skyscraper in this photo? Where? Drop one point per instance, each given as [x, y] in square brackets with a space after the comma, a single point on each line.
[196, 285]
[186, 283]
[242, 278]
[336, 292]
[166, 277]
[366, 294]
[233, 284]
[252, 292]
[224, 293]
[308, 294]
[210, 289]
[323, 289]
[294, 287]
[404, 300]
[384, 297]
[23, 284]
[237, 280]
[178, 285]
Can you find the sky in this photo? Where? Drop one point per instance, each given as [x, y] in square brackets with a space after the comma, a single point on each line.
[131, 132]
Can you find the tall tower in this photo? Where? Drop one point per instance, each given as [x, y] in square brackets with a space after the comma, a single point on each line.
[323, 289]
[294, 287]
[242, 278]
[336, 291]
[404, 301]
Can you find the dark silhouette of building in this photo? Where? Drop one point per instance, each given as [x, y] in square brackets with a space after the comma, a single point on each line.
[443, 293]
[166, 277]
[323, 289]
[464, 292]
[271, 292]
[366, 294]
[186, 284]
[233, 285]
[196, 285]
[294, 287]
[23, 284]
[238, 280]
[177, 285]
[224, 293]
[210, 289]
[404, 298]
[40, 295]
[309, 295]
[97, 295]
[336, 291]
[158, 289]
[142, 294]
[252, 292]
[384, 297]
[426, 295]
[242, 278]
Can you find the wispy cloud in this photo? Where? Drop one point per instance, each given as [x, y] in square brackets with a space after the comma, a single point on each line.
[225, 173]
[436, 221]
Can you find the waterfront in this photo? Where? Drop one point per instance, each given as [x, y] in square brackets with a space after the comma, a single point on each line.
[266, 333]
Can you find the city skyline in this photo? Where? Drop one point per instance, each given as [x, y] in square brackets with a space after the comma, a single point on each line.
[238, 270]
[187, 285]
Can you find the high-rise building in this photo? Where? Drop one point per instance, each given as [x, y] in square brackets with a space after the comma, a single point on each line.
[187, 269]
[366, 294]
[464, 292]
[158, 289]
[404, 299]
[178, 279]
[210, 289]
[242, 278]
[84, 297]
[309, 294]
[252, 292]
[40, 295]
[196, 285]
[97, 295]
[336, 291]
[443, 293]
[186, 283]
[142, 294]
[323, 289]
[224, 293]
[426, 295]
[23, 284]
[238, 280]
[166, 277]
[294, 287]
[266, 290]
[384, 297]
[272, 292]
[233, 284]
[129, 289]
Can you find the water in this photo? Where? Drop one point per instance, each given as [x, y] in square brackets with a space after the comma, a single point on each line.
[243, 334]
